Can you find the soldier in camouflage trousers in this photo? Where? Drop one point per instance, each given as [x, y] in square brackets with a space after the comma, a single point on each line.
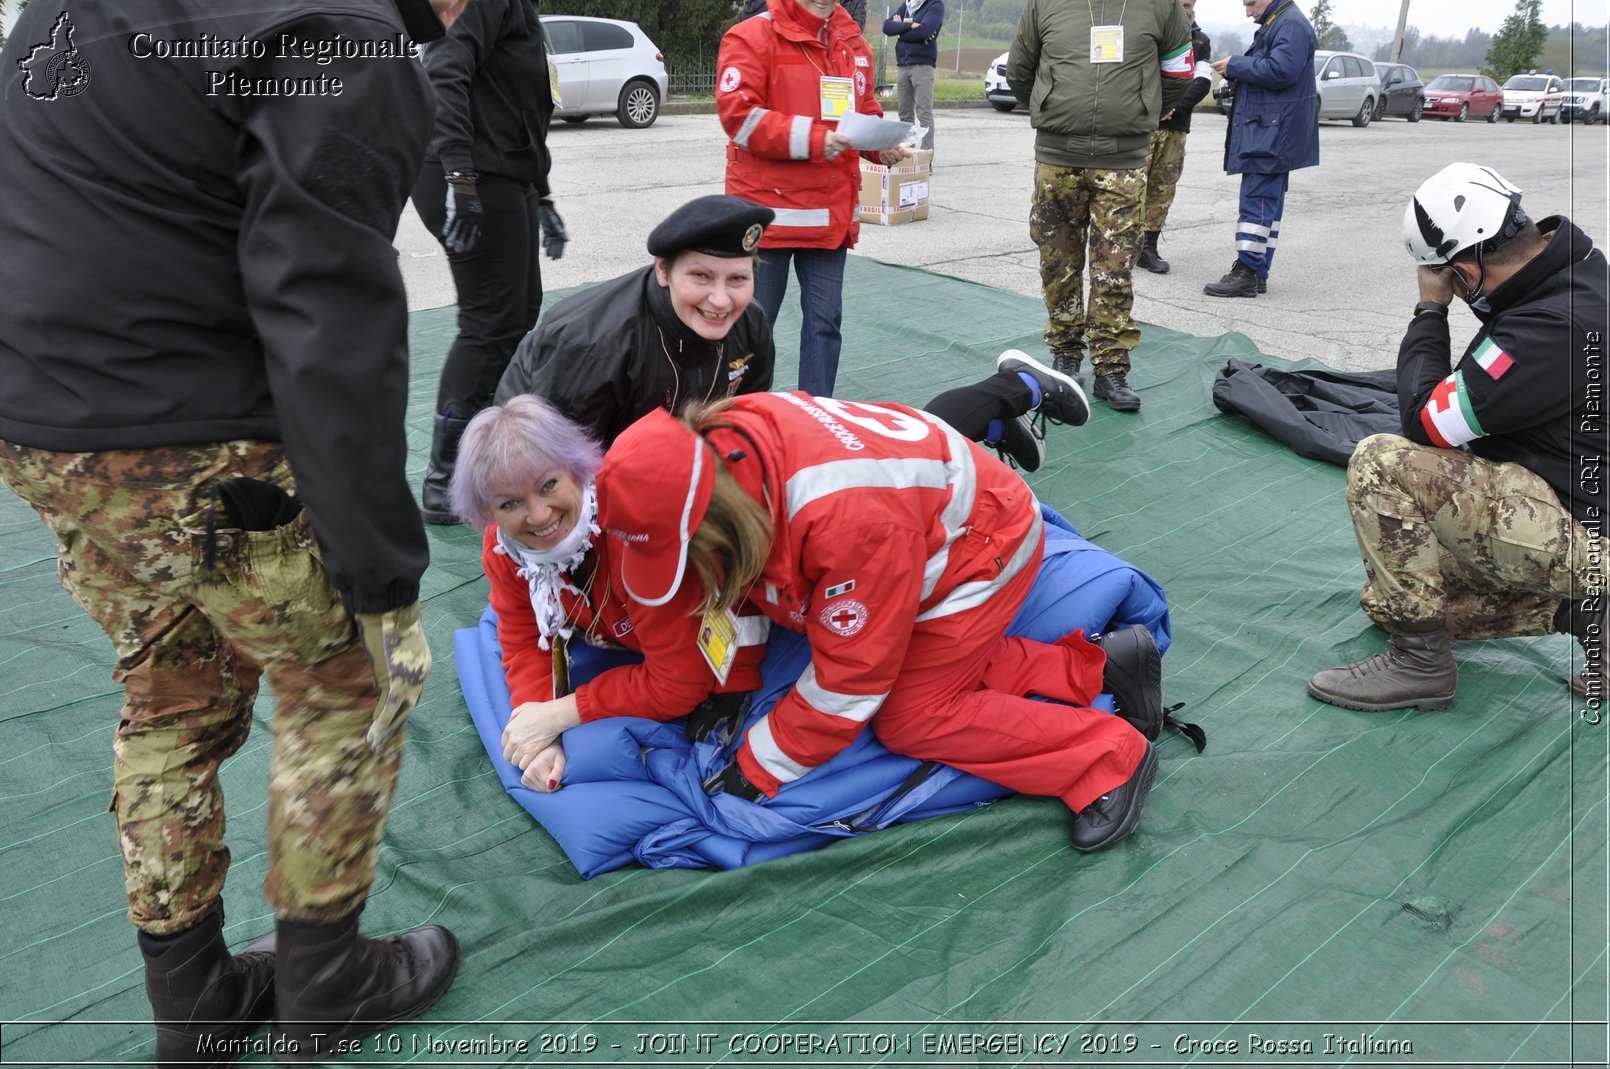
[1485, 517]
[1167, 158]
[182, 354]
[196, 616]
[1163, 171]
[1094, 110]
[1484, 548]
[1073, 208]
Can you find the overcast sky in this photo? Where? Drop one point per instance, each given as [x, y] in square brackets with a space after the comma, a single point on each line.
[1440, 18]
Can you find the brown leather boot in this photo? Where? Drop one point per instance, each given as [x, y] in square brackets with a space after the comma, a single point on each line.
[1417, 670]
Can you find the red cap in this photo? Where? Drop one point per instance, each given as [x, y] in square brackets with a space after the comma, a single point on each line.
[653, 489]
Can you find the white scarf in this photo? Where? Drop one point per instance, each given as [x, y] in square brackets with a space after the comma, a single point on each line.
[912, 7]
[547, 572]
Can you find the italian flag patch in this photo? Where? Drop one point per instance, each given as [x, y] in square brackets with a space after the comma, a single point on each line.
[1449, 420]
[842, 588]
[1178, 63]
[1492, 359]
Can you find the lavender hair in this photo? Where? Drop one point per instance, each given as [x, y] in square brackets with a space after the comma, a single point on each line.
[515, 444]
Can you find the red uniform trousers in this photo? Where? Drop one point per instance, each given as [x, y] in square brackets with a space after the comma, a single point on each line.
[970, 709]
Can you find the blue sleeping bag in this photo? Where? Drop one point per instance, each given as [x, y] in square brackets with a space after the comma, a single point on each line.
[633, 788]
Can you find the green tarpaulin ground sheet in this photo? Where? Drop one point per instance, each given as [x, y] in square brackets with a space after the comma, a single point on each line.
[1391, 888]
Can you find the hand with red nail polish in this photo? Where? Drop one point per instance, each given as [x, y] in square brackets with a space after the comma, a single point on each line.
[546, 771]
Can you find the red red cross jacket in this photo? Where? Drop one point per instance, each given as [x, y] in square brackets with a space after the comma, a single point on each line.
[769, 93]
[674, 676]
[890, 527]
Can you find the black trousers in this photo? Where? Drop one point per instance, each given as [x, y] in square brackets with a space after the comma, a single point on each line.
[971, 409]
[499, 285]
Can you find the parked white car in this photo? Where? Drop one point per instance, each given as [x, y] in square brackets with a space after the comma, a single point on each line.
[605, 66]
[1538, 97]
[996, 91]
[1587, 99]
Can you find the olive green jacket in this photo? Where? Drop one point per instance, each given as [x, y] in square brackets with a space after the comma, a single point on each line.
[1088, 114]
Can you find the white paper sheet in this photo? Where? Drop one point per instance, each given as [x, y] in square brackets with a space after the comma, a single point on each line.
[868, 134]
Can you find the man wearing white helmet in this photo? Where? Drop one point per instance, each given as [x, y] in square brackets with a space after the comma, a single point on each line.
[1485, 519]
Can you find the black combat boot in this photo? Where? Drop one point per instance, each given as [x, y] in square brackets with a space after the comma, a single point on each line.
[1068, 361]
[1417, 670]
[1114, 389]
[206, 1003]
[434, 504]
[333, 985]
[1239, 281]
[1148, 254]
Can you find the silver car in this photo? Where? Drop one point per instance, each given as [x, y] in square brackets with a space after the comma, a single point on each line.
[605, 66]
[1348, 86]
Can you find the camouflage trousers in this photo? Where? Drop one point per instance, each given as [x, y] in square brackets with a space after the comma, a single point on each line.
[1163, 169]
[1485, 546]
[1074, 207]
[192, 640]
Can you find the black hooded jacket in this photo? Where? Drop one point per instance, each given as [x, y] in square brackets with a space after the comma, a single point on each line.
[493, 98]
[616, 351]
[1530, 388]
[198, 248]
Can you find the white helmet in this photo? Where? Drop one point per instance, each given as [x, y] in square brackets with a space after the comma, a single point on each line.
[1460, 206]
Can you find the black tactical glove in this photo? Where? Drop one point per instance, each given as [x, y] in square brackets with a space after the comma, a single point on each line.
[554, 235]
[732, 780]
[462, 230]
[721, 715]
[255, 505]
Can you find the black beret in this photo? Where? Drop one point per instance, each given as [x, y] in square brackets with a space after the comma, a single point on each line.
[717, 225]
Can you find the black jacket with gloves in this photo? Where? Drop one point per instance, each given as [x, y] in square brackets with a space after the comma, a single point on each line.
[615, 352]
[493, 98]
[1201, 82]
[187, 262]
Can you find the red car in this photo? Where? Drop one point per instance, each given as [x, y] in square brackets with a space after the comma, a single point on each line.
[1458, 96]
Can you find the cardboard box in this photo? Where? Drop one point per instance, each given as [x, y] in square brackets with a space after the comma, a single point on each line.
[898, 194]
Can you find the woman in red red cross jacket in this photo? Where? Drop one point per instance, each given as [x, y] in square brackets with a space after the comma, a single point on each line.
[902, 550]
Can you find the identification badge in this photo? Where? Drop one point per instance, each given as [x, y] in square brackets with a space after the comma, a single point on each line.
[718, 641]
[837, 96]
[1106, 44]
[561, 667]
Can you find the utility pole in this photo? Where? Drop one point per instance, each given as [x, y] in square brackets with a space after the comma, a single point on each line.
[961, 14]
[1397, 40]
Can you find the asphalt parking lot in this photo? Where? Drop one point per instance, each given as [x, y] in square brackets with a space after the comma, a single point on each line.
[1340, 292]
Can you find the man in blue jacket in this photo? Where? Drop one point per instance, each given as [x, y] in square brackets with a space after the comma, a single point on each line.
[915, 25]
[1273, 130]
